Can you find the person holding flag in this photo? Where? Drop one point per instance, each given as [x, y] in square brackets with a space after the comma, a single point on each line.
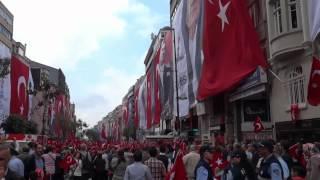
[203, 170]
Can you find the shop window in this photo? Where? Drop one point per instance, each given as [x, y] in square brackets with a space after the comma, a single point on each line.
[277, 17]
[295, 86]
[292, 14]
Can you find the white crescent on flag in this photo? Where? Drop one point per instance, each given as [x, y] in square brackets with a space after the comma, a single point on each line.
[21, 81]
[258, 126]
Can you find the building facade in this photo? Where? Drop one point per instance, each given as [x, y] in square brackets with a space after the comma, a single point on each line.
[291, 58]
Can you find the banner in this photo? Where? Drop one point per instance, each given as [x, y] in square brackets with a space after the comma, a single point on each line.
[5, 87]
[156, 88]
[167, 76]
[142, 104]
[182, 62]
[188, 32]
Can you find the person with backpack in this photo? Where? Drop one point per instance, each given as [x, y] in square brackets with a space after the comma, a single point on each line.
[99, 167]
[120, 167]
[270, 167]
[86, 162]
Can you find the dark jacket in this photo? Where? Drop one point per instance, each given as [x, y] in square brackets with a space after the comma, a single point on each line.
[164, 160]
[12, 176]
[203, 163]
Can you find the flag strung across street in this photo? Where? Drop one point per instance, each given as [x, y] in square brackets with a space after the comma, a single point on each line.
[230, 46]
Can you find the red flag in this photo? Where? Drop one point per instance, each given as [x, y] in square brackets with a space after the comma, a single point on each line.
[125, 111]
[294, 111]
[218, 162]
[257, 125]
[103, 132]
[178, 171]
[314, 83]
[19, 86]
[67, 162]
[230, 45]
[149, 99]
[136, 105]
[157, 112]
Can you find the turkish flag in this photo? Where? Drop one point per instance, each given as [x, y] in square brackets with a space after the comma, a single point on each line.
[230, 45]
[67, 162]
[103, 132]
[157, 81]
[218, 164]
[149, 100]
[19, 87]
[178, 171]
[125, 111]
[314, 83]
[136, 105]
[257, 125]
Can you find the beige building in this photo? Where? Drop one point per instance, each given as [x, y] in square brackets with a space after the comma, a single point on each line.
[290, 57]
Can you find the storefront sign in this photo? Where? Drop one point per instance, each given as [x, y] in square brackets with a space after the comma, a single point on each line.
[254, 84]
[252, 136]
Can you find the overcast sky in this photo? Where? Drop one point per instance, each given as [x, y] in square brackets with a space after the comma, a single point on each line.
[99, 44]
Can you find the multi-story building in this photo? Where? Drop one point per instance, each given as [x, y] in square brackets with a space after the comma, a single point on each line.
[6, 26]
[291, 57]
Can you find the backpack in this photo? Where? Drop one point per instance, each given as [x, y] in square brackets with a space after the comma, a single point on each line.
[284, 167]
[87, 165]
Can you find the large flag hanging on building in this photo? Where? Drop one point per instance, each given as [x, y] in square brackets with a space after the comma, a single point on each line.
[181, 60]
[19, 87]
[314, 81]
[125, 111]
[188, 32]
[136, 105]
[149, 112]
[230, 45]
[5, 85]
[166, 69]
[142, 104]
[156, 88]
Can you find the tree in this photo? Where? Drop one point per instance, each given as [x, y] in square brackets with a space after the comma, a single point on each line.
[93, 134]
[16, 124]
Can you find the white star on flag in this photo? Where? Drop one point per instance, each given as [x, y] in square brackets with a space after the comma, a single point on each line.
[21, 109]
[222, 14]
[219, 162]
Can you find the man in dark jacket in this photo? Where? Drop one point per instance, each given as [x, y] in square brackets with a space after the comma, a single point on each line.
[5, 172]
[162, 157]
[36, 167]
[203, 170]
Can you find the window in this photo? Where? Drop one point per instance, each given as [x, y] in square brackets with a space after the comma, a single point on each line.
[277, 16]
[254, 13]
[292, 12]
[5, 32]
[6, 17]
[295, 84]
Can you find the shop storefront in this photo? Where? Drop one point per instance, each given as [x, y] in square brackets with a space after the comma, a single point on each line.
[293, 131]
[250, 101]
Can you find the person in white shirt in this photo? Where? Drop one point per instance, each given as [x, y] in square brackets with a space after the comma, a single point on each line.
[77, 172]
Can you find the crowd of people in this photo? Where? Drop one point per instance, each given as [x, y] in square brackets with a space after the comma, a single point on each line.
[265, 160]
